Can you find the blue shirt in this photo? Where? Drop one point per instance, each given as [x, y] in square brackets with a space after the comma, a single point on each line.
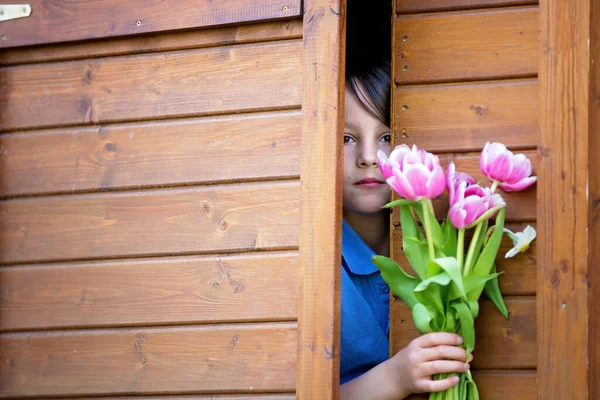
[365, 300]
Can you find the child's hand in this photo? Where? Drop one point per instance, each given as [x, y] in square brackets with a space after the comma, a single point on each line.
[433, 353]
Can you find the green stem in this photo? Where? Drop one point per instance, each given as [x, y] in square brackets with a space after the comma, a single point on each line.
[427, 223]
[495, 186]
[460, 247]
[472, 246]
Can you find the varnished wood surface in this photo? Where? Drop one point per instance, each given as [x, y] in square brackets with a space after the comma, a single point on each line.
[195, 82]
[462, 117]
[165, 153]
[212, 359]
[466, 45]
[210, 219]
[321, 200]
[65, 21]
[419, 6]
[178, 290]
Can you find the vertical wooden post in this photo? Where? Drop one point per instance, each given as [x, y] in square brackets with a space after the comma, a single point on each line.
[594, 201]
[321, 180]
[568, 167]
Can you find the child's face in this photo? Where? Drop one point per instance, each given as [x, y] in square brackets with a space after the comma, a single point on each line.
[365, 189]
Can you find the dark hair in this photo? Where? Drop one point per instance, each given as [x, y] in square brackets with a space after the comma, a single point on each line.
[371, 87]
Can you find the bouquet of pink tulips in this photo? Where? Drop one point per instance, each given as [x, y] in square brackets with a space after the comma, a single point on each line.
[444, 296]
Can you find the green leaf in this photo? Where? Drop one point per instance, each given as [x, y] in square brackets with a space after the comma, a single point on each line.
[422, 318]
[436, 230]
[413, 250]
[400, 202]
[484, 263]
[467, 326]
[492, 291]
[471, 389]
[480, 239]
[400, 283]
[474, 285]
[451, 267]
[432, 292]
[474, 307]
[450, 324]
[451, 236]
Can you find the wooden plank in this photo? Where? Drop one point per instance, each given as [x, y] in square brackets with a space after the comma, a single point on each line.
[462, 117]
[321, 200]
[151, 154]
[65, 21]
[565, 211]
[519, 277]
[249, 287]
[419, 6]
[500, 344]
[594, 201]
[260, 396]
[148, 86]
[466, 45]
[501, 385]
[218, 358]
[521, 206]
[165, 41]
[210, 219]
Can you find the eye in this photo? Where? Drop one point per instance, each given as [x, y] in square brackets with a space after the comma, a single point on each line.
[387, 138]
[348, 139]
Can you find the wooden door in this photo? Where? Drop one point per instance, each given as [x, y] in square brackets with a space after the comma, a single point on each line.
[169, 199]
[468, 72]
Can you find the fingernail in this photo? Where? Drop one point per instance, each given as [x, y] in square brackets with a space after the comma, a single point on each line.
[467, 366]
[455, 379]
[459, 340]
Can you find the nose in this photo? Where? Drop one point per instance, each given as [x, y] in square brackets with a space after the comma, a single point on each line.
[368, 155]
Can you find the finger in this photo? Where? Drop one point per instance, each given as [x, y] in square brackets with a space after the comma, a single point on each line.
[438, 386]
[444, 352]
[437, 339]
[443, 367]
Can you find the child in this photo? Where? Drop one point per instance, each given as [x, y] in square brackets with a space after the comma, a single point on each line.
[365, 370]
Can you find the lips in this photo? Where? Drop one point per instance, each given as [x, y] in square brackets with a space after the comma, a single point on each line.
[369, 182]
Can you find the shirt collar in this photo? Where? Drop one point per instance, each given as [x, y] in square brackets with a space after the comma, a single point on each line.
[355, 253]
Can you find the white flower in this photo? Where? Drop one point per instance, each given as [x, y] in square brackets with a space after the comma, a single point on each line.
[521, 240]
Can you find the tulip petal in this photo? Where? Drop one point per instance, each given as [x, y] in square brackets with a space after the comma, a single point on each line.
[385, 164]
[399, 183]
[457, 216]
[521, 185]
[436, 183]
[501, 168]
[417, 176]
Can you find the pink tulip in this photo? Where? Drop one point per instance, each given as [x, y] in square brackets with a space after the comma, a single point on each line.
[415, 174]
[511, 171]
[454, 179]
[473, 202]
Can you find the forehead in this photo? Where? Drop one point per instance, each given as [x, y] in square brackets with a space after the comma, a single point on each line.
[357, 117]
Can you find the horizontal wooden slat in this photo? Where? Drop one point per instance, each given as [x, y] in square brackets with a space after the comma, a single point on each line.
[521, 206]
[519, 272]
[261, 396]
[501, 385]
[259, 287]
[468, 45]
[217, 358]
[169, 152]
[158, 85]
[416, 6]
[462, 117]
[499, 344]
[208, 219]
[65, 21]
[166, 41]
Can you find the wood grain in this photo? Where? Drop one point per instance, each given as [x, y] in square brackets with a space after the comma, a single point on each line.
[463, 117]
[260, 396]
[419, 6]
[210, 219]
[519, 272]
[500, 344]
[245, 357]
[565, 211]
[253, 287]
[467, 45]
[54, 21]
[164, 41]
[521, 206]
[174, 152]
[594, 199]
[321, 200]
[149, 86]
[501, 385]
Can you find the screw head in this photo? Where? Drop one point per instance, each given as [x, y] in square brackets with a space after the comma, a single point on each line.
[285, 8]
[138, 23]
[405, 38]
[3, 37]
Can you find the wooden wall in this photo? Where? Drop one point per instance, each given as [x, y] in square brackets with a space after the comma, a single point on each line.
[149, 199]
[465, 72]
